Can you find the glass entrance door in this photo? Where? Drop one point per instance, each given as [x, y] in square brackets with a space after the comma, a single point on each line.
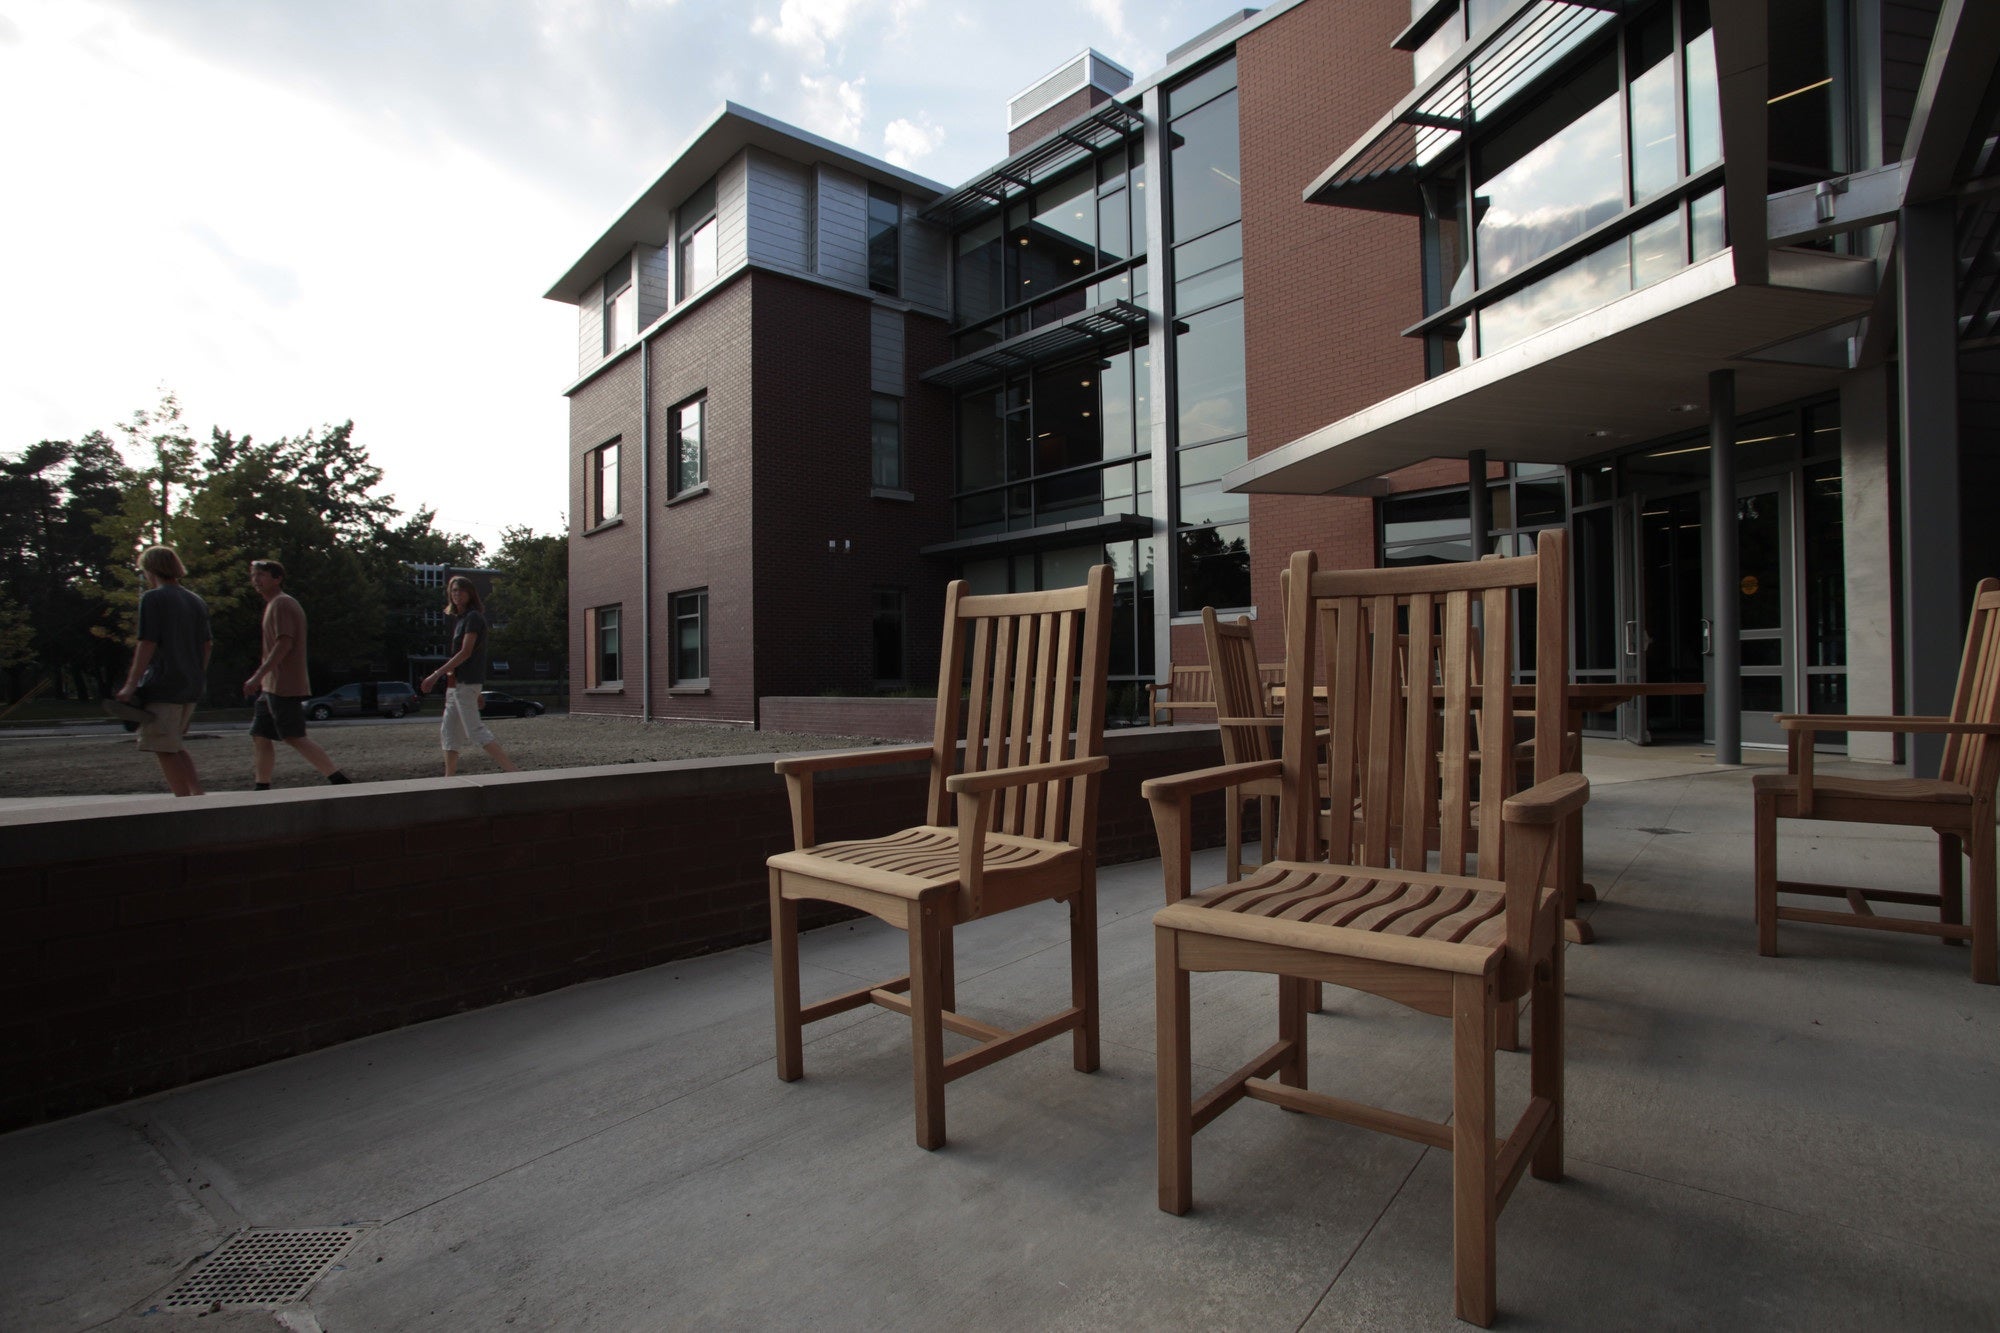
[1764, 606]
[1665, 636]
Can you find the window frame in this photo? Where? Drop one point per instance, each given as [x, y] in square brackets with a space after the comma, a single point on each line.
[676, 443]
[694, 228]
[604, 458]
[696, 602]
[885, 238]
[594, 676]
[891, 479]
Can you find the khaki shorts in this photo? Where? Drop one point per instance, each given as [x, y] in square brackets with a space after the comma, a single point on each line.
[163, 734]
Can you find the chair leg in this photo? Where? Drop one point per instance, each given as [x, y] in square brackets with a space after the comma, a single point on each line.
[947, 971]
[1545, 1061]
[1507, 1026]
[1267, 828]
[926, 1021]
[785, 982]
[1951, 880]
[1985, 948]
[1173, 1071]
[1083, 973]
[1292, 995]
[1766, 874]
[1232, 835]
[1474, 1279]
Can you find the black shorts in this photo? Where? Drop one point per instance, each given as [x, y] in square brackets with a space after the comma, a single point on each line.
[278, 717]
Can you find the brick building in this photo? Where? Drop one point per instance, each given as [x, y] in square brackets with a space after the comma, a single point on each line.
[1293, 290]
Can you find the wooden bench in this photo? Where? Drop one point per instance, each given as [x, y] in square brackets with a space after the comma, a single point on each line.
[1191, 689]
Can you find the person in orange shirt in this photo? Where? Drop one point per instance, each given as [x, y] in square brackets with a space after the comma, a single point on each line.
[279, 683]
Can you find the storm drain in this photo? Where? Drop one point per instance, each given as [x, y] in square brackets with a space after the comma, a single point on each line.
[1664, 832]
[261, 1268]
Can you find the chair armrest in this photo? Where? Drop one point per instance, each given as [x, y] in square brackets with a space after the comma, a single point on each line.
[821, 763]
[1549, 801]
[1170, 798]
[798, 770]
[1250, 721]
[1908, 726]
[1183, 785]
[998, 779]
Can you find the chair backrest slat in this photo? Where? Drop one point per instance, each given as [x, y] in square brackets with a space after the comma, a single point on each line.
[1031, 667]
[1239, 688]
[1420, 740]
[1975, 760]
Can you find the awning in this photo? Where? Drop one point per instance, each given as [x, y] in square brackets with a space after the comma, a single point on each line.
[1102, 528]
[1072, 335]
[1381, 171]
[1628, 371]
[1049, 156]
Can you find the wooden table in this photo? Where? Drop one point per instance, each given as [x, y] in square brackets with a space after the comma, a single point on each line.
[1579, 698]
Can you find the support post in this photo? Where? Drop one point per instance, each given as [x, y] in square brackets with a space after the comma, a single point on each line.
[1933, 611]
[1482, 501]
[1725, 687]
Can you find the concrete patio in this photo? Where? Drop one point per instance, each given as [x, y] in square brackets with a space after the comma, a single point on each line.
[1811, 1141]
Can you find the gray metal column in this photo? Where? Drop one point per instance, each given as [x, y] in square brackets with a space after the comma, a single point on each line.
[1158, 431]
[1725, 689]
[1933, 614]
[1482, 501]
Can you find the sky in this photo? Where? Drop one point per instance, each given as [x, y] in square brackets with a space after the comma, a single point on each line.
[292, 213]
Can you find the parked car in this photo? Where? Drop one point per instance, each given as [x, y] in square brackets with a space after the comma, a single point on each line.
[387, 698]
[495, 704]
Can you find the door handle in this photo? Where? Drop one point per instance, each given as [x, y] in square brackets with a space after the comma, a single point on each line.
[1707, 637]
[1631, 638]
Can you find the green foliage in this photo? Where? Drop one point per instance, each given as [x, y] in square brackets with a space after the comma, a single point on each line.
[530, 605]
[313, 501]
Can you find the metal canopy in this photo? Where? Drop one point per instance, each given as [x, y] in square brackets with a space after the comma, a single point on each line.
[1101, 528]
[1626, 372]
[1046, 157]
[1082, 332]
[1382, 170]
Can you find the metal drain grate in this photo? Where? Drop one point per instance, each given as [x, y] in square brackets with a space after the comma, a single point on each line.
[1664, 832]
[261, 1268]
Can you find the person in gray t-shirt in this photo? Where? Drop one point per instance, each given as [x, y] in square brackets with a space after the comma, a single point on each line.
[169, 666]
[464, 672]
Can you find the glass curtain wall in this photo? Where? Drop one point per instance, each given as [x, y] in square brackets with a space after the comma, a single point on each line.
[1132, 602]
[1205, 221]
[1595, 186]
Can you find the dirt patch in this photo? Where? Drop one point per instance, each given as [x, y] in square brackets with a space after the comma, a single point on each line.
[103, 762]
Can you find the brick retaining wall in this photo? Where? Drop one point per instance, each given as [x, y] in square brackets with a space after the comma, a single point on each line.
[149, 944]
[837, 715]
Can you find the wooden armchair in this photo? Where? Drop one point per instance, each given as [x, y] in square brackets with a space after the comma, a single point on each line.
[1190, 689]
[1463, 942]
[1018, 825]
[1249, 730]
[1958, 804]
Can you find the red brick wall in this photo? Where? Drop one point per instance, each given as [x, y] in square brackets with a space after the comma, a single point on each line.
[604, 565]
[1062, 113]
[883, 719]
[1328, 291]
[166, 942]
[814, 607]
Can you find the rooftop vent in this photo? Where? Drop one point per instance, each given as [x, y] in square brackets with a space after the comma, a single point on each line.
[1089, 70]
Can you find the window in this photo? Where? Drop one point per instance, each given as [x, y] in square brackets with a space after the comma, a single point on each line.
[885, 217]
[621, 307]
[605, 665]
[885, 441]
[696, 254]
[887, 634]
[690, 612]
[603, 468]
[688, 468]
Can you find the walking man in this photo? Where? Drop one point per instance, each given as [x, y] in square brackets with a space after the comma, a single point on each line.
[279, 682]
[170, 665]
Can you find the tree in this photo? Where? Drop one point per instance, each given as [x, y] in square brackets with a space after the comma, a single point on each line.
[531, 598]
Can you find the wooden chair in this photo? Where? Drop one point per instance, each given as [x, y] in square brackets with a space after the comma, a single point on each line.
[1189, 689]
[1018, 825]
[1958, 804]
[1249, 730]
[1462, 942]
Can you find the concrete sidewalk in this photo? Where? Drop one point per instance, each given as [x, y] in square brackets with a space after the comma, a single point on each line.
[1802, 1142]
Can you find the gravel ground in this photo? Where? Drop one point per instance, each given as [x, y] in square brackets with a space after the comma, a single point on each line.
[104, 762]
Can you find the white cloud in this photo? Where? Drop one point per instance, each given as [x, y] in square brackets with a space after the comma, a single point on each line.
[1111, 13]
[807, 26]
[904, 141]
[833, 106]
